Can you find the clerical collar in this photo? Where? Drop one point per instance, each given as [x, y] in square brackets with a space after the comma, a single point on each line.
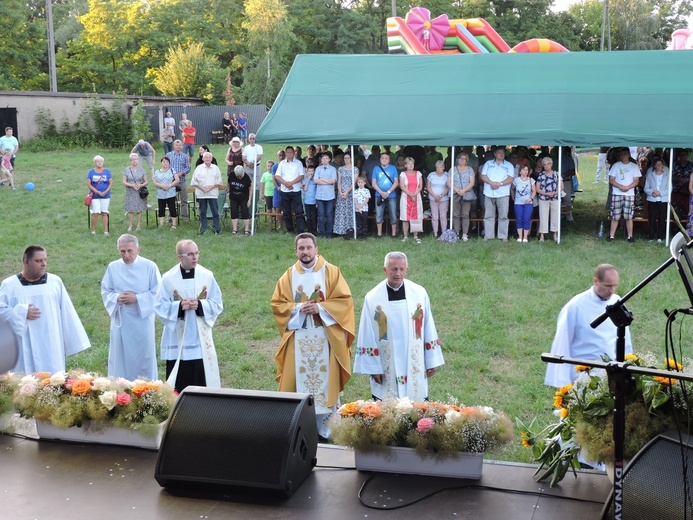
[393, 294]
[40, 281]
[187, 273]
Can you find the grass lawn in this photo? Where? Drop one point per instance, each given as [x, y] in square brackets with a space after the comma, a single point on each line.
[495, 304]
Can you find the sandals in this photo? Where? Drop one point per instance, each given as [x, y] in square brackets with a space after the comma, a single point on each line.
[234, 232]
[247, 233]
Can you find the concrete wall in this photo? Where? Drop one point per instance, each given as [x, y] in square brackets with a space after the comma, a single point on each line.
[63, 106]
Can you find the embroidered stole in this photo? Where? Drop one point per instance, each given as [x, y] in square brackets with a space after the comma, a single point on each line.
[192, 288]
[312, 350]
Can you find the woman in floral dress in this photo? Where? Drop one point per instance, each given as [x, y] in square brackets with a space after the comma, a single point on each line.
[344, 209]
[134, 178]
[410, 205]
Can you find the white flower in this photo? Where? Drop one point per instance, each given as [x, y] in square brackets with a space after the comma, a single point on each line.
[137, 382]
[451, 415]
[58, 379]
[101, 384]
[108, 399]
[86, 376]
[404, 405]
[28, 380]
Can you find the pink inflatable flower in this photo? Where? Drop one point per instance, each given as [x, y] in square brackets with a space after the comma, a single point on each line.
[429, 32]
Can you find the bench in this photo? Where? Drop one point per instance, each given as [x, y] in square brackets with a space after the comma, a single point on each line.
[218, 137]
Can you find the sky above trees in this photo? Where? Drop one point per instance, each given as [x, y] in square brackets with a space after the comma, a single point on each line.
[191, 47]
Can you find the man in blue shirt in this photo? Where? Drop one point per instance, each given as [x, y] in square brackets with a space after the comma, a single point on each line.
[385, 182]
[497, 176]
[180, 162]
[325, 180]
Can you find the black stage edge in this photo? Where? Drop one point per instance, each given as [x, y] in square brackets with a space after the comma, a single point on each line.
[48, 480]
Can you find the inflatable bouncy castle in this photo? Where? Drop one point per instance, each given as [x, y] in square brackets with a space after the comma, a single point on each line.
[418, 34]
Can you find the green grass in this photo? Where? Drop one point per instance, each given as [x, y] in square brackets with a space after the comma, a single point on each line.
[495, 304]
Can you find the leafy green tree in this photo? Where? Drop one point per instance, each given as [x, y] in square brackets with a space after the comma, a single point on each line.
[269, 37]
[191, 72]
[23, 48]
[588, 16]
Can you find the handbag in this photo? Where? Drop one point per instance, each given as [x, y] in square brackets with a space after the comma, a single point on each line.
[416, 226]
[178, 188]
[144, 192]
[87, 199]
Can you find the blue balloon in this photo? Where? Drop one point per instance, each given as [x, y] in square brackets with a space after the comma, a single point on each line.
[29, 186]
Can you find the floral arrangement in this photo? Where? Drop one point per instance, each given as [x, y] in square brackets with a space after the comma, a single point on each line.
[431, 428]
[8, 385]
[585, 418]
[87, 400]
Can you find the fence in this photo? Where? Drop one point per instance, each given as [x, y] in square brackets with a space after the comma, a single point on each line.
[206, 119]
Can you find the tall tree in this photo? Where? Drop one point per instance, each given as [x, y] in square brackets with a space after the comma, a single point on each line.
[269, 37]
[191, 72]
[23, 48]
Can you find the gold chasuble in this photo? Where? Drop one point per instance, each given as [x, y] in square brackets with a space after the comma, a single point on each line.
[323, 356]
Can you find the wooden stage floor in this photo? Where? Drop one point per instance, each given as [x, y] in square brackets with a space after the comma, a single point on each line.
[42, 479]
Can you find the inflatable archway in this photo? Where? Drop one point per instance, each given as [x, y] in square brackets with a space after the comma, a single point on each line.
[417, 33]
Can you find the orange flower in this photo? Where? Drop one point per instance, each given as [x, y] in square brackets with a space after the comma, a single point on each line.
[455, 407]
[371, 410]
[564, 389]
[564, 413]
[81, 387]
[349, 410]
[673, 365]
[558, 400]
[141, 389]
[421, 407]
[46, 382]
[42, 375]
[526, 442]
[582, 368]
[665, 380]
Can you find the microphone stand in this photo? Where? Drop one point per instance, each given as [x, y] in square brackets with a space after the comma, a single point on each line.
[619, 373]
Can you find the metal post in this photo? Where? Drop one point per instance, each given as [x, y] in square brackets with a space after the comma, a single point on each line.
[51, 47]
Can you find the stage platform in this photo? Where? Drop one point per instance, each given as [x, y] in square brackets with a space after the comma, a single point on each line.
[42, 479]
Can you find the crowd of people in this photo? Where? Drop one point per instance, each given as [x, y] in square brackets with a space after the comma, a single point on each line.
[497, 191]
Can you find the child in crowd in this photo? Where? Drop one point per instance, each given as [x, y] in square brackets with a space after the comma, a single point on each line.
[6, 170]
[361, 197]
[267, 191]
[309, 201]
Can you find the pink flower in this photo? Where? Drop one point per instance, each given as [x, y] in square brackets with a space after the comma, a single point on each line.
[424, 424]
[123, 398]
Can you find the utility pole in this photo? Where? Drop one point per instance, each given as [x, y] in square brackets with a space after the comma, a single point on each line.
[606, 25]
[51, 47]
[394, 7]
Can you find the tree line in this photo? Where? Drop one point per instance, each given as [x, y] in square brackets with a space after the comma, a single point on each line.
[240, 51]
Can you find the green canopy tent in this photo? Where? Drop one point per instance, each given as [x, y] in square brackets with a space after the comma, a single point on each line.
[581, 98]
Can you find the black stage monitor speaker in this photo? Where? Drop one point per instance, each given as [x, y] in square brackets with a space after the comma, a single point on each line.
[654, 485]
[236, 440]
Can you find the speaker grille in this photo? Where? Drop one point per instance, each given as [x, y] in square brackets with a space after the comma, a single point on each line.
[653, 485]
[245, 439]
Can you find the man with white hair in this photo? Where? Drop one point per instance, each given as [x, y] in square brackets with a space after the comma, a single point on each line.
[398, 344]
[169, 133]
[206, 179]
[146, 152]
[127, 289]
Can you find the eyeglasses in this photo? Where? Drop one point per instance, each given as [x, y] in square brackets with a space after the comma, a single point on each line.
[191, 254]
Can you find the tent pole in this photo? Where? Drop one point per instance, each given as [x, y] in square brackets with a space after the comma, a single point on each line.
[560, 199]
[451, 190]
[353, 188]
[671, 172]
[254, 201]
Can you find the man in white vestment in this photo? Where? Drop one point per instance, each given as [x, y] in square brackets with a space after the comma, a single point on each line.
[574, 336]
[127, 289]
[188, 302]
[398, 345]
[317, 330]
[39, 310]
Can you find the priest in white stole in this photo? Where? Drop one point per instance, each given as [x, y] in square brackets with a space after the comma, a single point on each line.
[40, 312]
[398, 344]
[188, 303]
[316, 330]
[127, 289]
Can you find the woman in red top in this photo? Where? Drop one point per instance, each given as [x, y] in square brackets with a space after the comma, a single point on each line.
[410, 205]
